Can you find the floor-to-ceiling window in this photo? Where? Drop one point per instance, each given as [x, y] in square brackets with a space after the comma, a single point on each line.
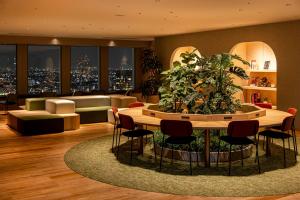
[121, 68]
[84, 69]
[44, 69]
[8, 69]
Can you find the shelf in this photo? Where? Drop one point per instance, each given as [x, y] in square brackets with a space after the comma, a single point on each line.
[259, 88]
[263, 71]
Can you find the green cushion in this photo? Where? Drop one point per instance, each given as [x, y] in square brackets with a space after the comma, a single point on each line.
[91, 109]
[35, 104]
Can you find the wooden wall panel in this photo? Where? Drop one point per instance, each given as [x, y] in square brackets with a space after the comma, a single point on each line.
[22, 66]
[65, 70]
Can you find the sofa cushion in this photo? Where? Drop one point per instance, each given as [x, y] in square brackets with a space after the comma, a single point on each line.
[60, 106]
[35, 104]
[121, 101]
[89, 101]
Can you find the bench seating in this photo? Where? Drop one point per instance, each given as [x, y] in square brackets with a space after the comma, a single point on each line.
[39, 122]
[35, 122]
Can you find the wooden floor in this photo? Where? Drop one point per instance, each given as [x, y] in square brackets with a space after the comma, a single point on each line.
[33, 168]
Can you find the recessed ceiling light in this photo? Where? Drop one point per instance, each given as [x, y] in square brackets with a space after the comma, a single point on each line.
[119, 15]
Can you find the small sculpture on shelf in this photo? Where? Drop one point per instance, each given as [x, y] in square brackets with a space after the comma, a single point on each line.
[264, 82]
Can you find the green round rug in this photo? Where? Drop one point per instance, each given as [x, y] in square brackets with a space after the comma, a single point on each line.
[94, 159]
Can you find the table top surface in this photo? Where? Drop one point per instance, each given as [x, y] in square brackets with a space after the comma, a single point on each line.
[272, 118]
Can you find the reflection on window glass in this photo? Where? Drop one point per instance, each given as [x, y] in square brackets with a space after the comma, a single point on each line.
[121, 68]
[85, 69]
[7, 69]
[43, 69]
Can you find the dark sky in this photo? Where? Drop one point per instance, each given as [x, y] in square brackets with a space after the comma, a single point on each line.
[91, 52]
[7, 51]
[116, 54]
[37, 55]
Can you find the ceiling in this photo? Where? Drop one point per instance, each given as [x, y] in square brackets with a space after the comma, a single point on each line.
[137, 19]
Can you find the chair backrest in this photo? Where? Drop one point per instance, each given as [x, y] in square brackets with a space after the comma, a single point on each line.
[287, 123]
[126, 122]
[243, 128]
[292, 111]
[176, 128]
[136, 104]
[115, 113]
[264, 105]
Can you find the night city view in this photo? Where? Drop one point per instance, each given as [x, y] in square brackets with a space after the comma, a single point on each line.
[85, 69]
[121, 68]
[43, 69]
[7, 69]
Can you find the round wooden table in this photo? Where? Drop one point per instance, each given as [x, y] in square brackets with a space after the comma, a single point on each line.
[272, 118]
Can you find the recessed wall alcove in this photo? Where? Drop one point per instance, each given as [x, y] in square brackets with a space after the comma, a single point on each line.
[176, 53]
[262, 72]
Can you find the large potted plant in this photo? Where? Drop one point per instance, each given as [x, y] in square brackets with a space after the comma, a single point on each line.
[151, 69]
[202, 85]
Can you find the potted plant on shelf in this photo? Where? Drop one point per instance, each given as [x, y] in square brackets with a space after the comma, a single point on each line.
[151, 69]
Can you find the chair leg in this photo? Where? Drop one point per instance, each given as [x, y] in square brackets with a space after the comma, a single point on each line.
[263, 141]
[284, 161]
[294, 131]
[218, 153]
[190, 149]
[119, 144]
[197, 152]
[154, 148]
[161, 153]
[289, 143]
[295, 150]
[172, 153]
[113, 139]
[131, 149]
[229, 169]
[257, 157]
[242, 156]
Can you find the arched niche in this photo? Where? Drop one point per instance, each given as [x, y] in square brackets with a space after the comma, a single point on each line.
[263, 64]
[176, 53]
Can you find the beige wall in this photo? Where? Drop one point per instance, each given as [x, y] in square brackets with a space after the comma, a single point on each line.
[283, 38]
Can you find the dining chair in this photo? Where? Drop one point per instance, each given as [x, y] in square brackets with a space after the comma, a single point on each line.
[126, 122]
[117, 126]
[292, 111]
[283, 133]
[179, 133]
[136, 104]
[238, 133]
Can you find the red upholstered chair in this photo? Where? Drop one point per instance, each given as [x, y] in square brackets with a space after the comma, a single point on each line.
[126, 122]
[238, 133]
[136, 104]
[283, 133]
[117, 126]
[264, 105]
[179, 132]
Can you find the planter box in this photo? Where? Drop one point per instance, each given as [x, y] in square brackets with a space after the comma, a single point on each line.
[224, 156]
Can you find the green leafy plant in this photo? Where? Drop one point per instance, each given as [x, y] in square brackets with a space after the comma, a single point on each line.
[198, 145]
[151, 68]
[202, 85]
